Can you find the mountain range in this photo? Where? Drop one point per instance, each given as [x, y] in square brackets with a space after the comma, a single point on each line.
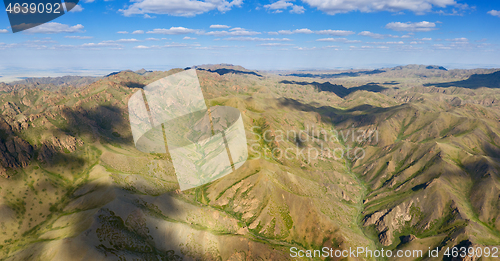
[419, 167]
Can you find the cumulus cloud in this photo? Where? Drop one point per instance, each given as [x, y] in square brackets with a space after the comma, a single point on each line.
[173, 30]
[188, 38]
[122, 32]
[423, 26]
[333, 7]
[131, 40]
[494, 13]
[78, 37]
[461, 39]
[296, 31]
[76, 9]
[297, 9]
[256, 39]
[101, 44]
[138, 32]
[54, 28]
[275, 44]
[233, 32]
[186, 8]
[219, 26]
[280, 5]
[372, 35]
[303, 31]
[335, 32]
[3, 31]
[343, 40]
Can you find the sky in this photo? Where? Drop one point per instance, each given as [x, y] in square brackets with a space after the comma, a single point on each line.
[101, 36]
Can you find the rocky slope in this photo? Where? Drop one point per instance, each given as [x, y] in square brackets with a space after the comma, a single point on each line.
[74, 187]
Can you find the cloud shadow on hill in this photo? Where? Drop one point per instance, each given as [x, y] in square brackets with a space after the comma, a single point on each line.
[363, 115]
[339, 90]
[226, 71]
[337, 75]
[475, 81]
[104, 123]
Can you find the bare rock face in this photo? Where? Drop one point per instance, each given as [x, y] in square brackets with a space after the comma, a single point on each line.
[58, 145]
[385, 238]
[14, 153]
[390, 220]
[10, 109]
[408, 238]
[466, 244]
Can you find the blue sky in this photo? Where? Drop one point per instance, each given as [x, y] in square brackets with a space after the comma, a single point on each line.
[100, 36]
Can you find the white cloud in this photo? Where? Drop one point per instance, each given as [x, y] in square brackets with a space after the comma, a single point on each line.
[304, 48]
[5, 46]
[152, 39]
[178, 7]
[138, 32]
[297, 9]
[146, 16]
[54, 28]
[101, 44]
[219, 26]
[333, 7]
[131, 40]
[255, 39]
[335, 32]
[281, 5]
[172, 30]
[3, 31]
[76, 9]
[122, 32]
[372, 35]
[170, 45]
[189, 38]
[296, 31]
[494, 13]
[274, 44]
[233, 32]
[423, 26]
[462, 39]
[343, 40]
[78, 37]
[303, 31]
[426, 39]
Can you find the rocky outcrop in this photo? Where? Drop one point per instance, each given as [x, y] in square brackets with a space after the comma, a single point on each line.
[14, 153]
[56, 145]
[10, 109]
[390, 220]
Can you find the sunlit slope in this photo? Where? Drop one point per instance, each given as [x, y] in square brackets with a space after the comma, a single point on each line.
[74, 187]
[81, 184]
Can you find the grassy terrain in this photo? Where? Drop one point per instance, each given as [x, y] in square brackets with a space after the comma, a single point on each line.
[74, 187]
